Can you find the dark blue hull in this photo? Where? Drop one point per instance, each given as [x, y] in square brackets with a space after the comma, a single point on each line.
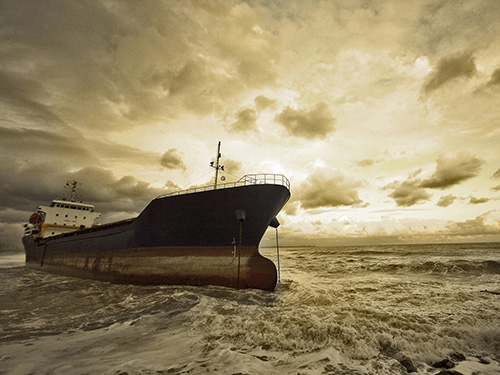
[194, 239]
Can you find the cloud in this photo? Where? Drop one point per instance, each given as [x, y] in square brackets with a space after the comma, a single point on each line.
[291, 207]
[23, 143]
[328, 188]
[171, 160]
[25, 95]
[452, 169]
[495, 78]
[232, 167]
[119, 65]
[450, 68]
[446, 200]
[365, 163]
[474, 200]
[25, 186]
[263, 102]
[496, 174]
[474, 227]
[316, 123]
[245, 121]
[496, 188]
[408, 193]
[68, 148]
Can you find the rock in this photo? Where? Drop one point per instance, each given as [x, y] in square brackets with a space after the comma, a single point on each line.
[449, 372]
[445, 363]
[484, 361]
[408, 364]
[263, 358]
[457, 357]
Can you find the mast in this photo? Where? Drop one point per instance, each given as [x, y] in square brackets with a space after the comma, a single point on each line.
[74, 185]
[217, 166]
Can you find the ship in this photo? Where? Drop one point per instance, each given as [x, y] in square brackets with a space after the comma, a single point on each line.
[200, 236]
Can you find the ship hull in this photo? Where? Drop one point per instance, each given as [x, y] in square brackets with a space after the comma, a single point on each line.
[191, 239]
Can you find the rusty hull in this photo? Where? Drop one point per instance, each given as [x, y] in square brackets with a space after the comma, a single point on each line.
[196, 266]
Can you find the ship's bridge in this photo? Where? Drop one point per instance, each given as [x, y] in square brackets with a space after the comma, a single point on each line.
[61, 216]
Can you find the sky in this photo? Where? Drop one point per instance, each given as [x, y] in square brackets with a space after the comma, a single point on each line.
[384, 115]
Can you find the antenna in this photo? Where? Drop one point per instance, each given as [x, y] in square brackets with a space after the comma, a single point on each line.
[74, 186]
[217, 166]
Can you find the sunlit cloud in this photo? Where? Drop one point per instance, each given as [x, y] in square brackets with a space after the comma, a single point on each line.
[328, 188]
[452, 169]
[474, 227]
[450, 68]
[408, 193]
[446, 200]
[316, 123]
[474, 200]
[262, 102]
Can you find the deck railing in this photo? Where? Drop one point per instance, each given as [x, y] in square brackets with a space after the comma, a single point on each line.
[248, 179]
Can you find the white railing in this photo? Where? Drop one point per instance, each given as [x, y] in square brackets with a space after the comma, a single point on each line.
[248, 179]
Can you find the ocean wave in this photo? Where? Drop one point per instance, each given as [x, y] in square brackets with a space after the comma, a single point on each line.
[333, 312]
[456, 266]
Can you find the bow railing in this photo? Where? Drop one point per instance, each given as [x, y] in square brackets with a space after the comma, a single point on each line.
[246, 180]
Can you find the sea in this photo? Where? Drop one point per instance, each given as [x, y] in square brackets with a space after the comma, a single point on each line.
[390, 309]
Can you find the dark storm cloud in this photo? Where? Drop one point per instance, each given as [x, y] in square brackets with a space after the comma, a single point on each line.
[39, 145]
[65, 149]
[29, 185]
[449, 68]
[446, 200]
[119, 64]
[127, 193]
[408, 193]
[25, 96]
[444, 25]
[171, 160]
[316, 123]
[452, 169]
[328, 189]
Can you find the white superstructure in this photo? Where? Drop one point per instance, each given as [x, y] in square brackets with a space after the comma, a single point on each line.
[61, 216]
